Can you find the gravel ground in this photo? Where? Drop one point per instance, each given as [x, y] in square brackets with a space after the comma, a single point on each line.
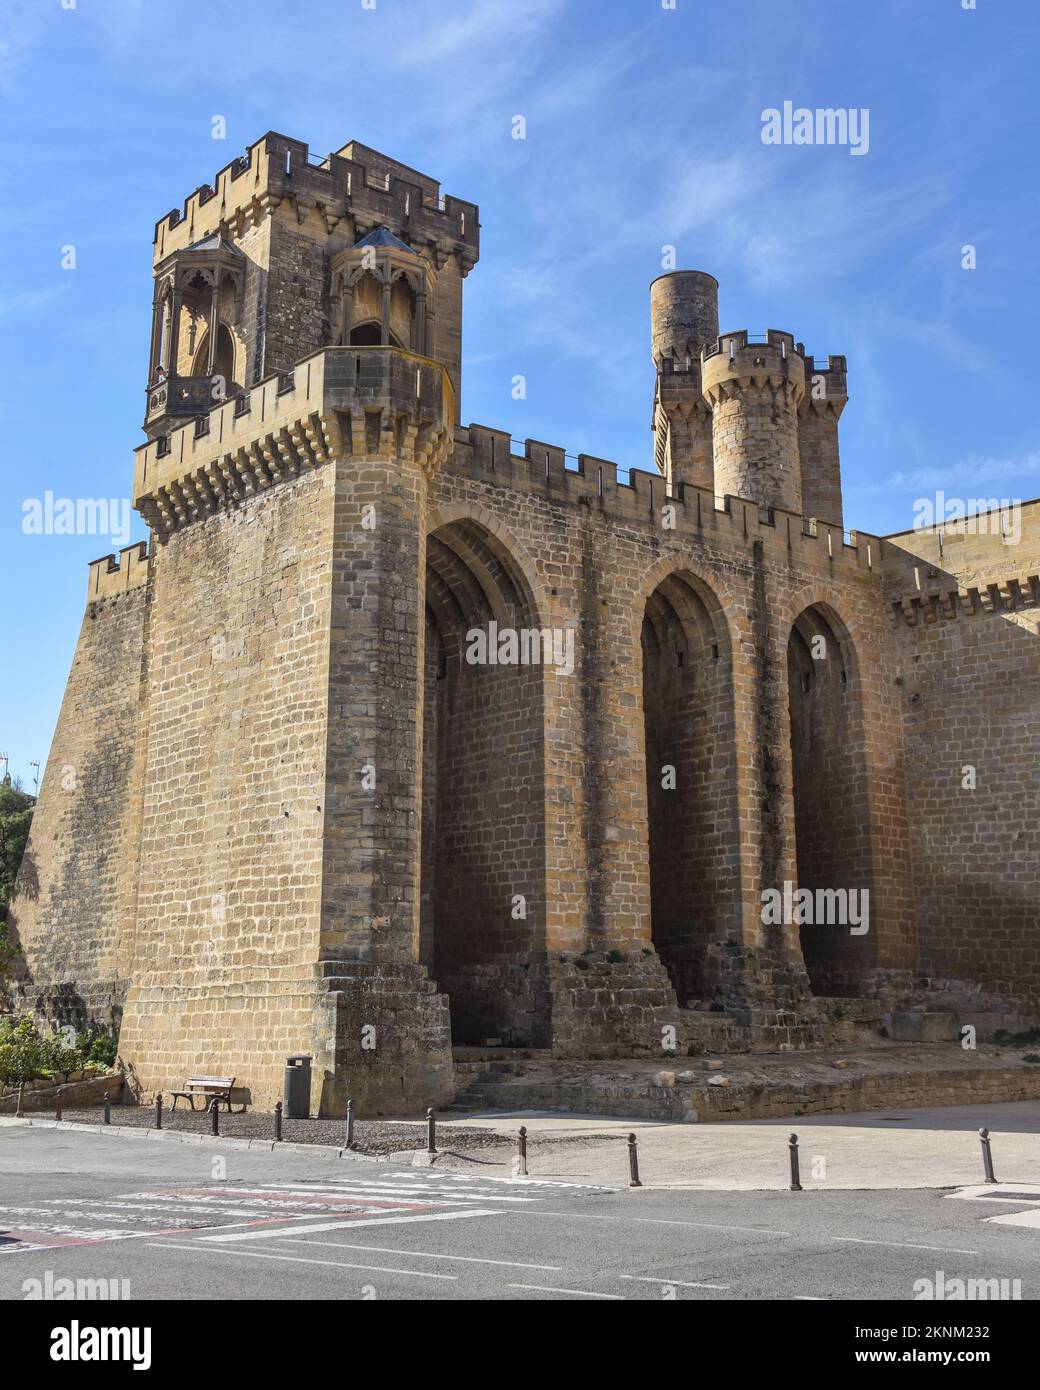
[371, 1136]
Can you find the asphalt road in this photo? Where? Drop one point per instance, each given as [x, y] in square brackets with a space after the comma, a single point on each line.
[193, 1222]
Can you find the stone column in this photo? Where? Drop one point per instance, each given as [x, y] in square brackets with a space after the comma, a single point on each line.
[391, 1026]
[214, 327]
[175, 327]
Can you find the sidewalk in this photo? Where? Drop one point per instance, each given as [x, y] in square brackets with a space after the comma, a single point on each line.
[891, 1149]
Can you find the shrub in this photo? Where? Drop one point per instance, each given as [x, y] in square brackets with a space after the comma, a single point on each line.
[21, 1052]
[58, 1056]
[97, 1049]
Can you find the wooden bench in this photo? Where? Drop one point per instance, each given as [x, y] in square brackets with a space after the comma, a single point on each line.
[212, 1088]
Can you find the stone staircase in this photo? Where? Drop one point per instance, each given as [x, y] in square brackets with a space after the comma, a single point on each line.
[480, 1072]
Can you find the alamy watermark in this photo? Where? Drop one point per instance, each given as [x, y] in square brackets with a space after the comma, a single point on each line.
[977, 516]
[822, 125]
[527, 646]
[817, 907]
[944, 1290]
[60, 1290]
[78, 516]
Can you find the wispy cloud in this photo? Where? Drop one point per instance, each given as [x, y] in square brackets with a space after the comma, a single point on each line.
[974, 471]
[26, 301]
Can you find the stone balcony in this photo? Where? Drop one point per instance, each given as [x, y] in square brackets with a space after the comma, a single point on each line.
[178, 396]
[370, 402]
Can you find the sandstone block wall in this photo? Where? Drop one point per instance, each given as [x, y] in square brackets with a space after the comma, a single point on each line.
[969, 660]
[228, 903]
[74, 907]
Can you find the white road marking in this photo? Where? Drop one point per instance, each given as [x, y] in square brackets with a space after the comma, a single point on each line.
[1029, 1219]
[297, 1260]
[661, 1221]
[679, 1283]
[579, 1293]
[351, 1222]
[1002, 1192]
[392, 1191]
[903, 1245]
[421, 1254]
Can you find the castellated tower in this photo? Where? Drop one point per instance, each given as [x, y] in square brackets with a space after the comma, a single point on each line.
[754, 418]
[826, 395]
[755, 389]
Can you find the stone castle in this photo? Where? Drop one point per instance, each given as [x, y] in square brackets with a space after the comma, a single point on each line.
[285, 809]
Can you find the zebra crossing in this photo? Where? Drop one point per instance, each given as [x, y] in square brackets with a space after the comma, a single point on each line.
[230, 1211]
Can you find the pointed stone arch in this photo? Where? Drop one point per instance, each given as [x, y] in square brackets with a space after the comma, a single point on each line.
[830, 792]
[482, 892]
[692, 793]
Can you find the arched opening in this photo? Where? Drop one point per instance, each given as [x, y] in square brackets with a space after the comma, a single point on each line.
[482, 909]
[831, 811]
[223, 362]
[693, 827]
[370, 335]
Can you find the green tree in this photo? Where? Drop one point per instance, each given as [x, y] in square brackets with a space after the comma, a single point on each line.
[16, 811]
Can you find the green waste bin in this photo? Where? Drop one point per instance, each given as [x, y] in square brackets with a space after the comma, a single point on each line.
[296, 1102]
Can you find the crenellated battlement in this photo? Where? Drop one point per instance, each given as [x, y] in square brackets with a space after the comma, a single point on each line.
[638, 496]
[112, 575]
[738, 359]
[370, 402]
[355, 181]
[826, 386]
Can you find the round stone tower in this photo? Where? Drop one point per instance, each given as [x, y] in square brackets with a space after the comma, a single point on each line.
[754, 390]
[684, 317]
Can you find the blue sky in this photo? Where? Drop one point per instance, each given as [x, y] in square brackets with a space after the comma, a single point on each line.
[643, 130]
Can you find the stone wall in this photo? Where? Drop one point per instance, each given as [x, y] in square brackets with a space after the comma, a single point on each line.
[228, 903]
[74, 903]
[969, 676]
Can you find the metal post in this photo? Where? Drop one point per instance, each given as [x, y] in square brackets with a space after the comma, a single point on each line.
[158, 1111]
[21, 1094]
[431, 1131]
[278, 1122]
[214, 1112]
[57, 1104]
[633, 1163]
[108, 1108]
[987, 1155]
[792, 1144]
[350, 1124]
[521, 1152]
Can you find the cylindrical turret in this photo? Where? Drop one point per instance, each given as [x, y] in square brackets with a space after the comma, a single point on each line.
[684, 314]
[754, 390]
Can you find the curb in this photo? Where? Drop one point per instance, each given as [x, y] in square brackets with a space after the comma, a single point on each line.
[174, 1136]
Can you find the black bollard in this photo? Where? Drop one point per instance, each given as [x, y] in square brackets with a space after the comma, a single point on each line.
[57, 1104]
[350, 1124]
[108, 1108]
[158, 1110]
[521, 1152]
[987, 1155]
[633, 1163]
[792, 1144]
[214, 1121]
[431, 1131]
[278, 1122]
